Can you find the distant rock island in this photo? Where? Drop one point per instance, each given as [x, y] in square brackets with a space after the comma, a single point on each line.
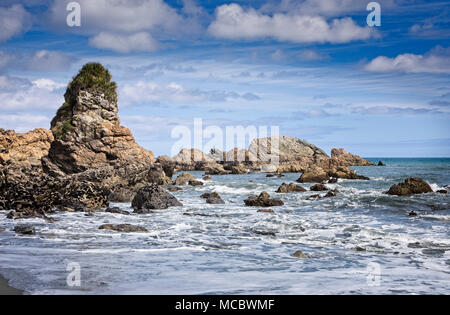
[88, 158]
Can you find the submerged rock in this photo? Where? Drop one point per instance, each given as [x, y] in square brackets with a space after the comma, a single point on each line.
[117, 210]
[263, 200]
[266, 211]
[300, 254]
[206, 177]
[124, 228]
[25, 229]
[333, 180]
[331, 193]
[442, 191]
[288, 188]
[410, 186]
[195, 183]
[380, 163]
[153, 197]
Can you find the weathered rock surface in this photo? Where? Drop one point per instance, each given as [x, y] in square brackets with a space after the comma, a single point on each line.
[184, 179]
[288, 188]
[410, 186]
[212, 198]
[314, 175]
[25, 149]
[349, 159]
[123, 228]
[263, 200]
[153, 197]
[195, 182]
[300, 254]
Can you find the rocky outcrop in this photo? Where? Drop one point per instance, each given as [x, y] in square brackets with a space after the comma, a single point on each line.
[314, 175]
[153, 197]
[168, 165]
[349, 159]
[88, 137]
[263, 200]
[410, 186]
[25, 149]
[123, 228]
[288, 188]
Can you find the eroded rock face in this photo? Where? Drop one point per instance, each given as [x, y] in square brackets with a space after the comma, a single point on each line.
[263, 200]
[25, 149]
[349, 159]
[288, 188]
[410, 186]
[153, 197]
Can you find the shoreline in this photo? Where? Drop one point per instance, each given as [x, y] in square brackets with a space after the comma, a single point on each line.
[6, 289]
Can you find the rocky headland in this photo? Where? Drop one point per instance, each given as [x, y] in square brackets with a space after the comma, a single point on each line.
[88, 159]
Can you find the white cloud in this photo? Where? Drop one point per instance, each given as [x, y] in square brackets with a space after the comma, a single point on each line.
[436, 61]
[234, 22]
[45, 60]
[125, 43]
[14, 21]
[129, 25]
[48, 84]
[144, 92]
[20, 94]
[311, 55]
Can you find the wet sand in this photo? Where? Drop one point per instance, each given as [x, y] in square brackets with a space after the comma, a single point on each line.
[5, 289]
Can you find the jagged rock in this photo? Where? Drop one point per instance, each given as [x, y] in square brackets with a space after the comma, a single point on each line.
[349, 159]
[287, 188]
[410, 186]
[314, 175]
[153, 197]
[300, 254]
[263, 200]
[319, 187]
[117, 210]
[25, 149]
[215, 169]
[412, 214]
[123, 228]
[184, 179]
[217, 155]
[333, 180]
[191, 159]
[89, 137]
[238, 169]
[168, 165]
[121, 195]
[380, 163]
[442, 191]
[25, 229]
[212, 198]
[239, 155]
[194, 182]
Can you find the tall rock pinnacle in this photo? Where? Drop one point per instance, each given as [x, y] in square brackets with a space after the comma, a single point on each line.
[87, 128]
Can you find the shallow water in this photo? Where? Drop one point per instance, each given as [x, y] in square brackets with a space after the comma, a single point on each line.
[355, 239]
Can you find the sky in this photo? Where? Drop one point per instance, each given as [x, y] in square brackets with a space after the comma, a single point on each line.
[314, 68]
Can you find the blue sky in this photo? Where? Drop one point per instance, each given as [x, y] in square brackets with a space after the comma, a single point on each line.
[313, 68]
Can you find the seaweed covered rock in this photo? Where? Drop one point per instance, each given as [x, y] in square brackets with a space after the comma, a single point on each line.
[153, 197]
[410, 186]
[87, 129]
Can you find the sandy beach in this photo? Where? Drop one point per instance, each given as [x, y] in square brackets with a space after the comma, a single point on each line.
[6, 289]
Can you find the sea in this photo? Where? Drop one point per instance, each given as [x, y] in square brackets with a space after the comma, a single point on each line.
[360, 242]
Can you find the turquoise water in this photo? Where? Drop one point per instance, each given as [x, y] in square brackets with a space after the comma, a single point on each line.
[361, 241]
